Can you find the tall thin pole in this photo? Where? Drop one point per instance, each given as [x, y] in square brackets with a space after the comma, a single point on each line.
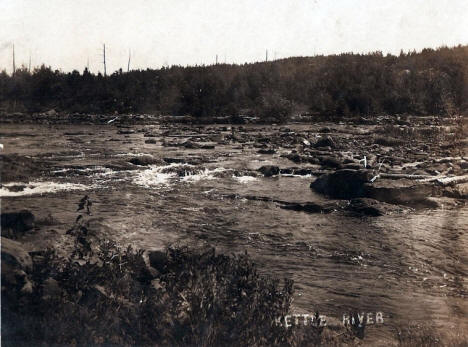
[216, 59]
[14, 66]
[129, 56]
[29, 68]
[266, 55]
[104, 56]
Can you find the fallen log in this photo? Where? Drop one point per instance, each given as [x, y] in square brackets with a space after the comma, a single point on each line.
[407, 176]
[446, 181]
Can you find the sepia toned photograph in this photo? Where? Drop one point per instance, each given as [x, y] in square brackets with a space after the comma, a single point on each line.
[234, 173]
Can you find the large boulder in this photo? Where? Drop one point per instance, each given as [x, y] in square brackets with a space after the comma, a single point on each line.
[14, 223]
[342, 184]
[16, 263]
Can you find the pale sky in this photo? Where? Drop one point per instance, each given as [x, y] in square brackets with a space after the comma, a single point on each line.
[66, 33]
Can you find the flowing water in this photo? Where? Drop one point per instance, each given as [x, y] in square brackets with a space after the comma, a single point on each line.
[411, 266]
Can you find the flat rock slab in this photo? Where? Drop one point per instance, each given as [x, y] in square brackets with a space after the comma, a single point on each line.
[372, 207]
[402, 191]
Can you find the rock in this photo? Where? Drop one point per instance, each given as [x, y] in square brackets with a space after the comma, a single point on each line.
[294, 157]
[440, 202]
[342, 184]
[330, 162]
[297, 171]
[266, 151]
[369, 207]
[14, 254]
[207, 146]
[16, 263]
[51, 112]
[388, 141]
[191, 145]
[151, 141]
[14, 223]
[269, 170]
[174, 160]
[126, 131]
[400, 191]
[158, 260]
[325, 142]
[144, 160]
[308, 207]
[459, 191]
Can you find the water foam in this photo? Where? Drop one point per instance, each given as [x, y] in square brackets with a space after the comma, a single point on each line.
[206, 174]
[245, 179]
[14, 189]
[155, 176]
[165, 175]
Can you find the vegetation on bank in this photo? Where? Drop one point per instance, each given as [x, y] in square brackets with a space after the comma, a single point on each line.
[428, 82]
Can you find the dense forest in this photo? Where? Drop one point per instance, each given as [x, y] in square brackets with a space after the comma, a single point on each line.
[424, 83]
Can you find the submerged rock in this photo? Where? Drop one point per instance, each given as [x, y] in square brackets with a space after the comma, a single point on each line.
[308, 207]
[342, 184]
[369, 207]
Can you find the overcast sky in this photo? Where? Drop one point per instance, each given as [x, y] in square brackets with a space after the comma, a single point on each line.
[66, 33]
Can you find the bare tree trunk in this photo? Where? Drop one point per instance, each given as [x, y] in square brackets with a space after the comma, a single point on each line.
[14, 65]
[104, 55]
[129, 56]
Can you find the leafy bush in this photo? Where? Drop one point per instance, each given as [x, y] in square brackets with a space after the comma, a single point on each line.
[112, 297]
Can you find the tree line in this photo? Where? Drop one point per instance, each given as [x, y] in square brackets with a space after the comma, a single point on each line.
[433, 81]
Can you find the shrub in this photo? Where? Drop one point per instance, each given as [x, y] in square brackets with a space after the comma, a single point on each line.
[110, 296]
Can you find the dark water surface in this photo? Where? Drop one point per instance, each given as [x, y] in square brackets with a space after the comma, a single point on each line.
[411, 266]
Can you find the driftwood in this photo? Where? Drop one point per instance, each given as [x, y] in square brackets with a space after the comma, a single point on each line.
[446, 181]
[447, 159]
[440, 179]
[407, 176]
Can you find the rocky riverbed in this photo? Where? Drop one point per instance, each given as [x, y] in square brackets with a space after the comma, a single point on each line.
[363, 215]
